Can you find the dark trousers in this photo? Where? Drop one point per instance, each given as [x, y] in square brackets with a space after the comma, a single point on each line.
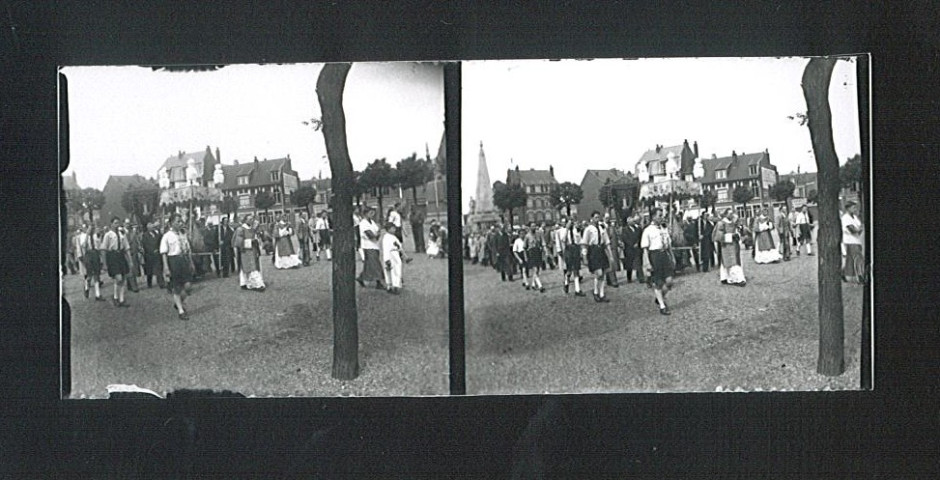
[506, 264]
[629, 262]
[304, 250]
[228, 261]
[153, 267]
[707, 256]
[417, 229]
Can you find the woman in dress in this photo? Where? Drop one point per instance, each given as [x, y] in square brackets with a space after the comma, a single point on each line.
[285, 255]
[728, 238]
[392, 255]
[372, 264]
[765, 251]
[434, 237]
[246, 241]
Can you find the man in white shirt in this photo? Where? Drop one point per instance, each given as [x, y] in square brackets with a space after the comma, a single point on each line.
[804, 230]
[594, 248]
[852, 241]
[177, 268]
[518, 251]
[117, 261]
[371, 264]
[558, 242]
[655, 242]
[395, 219]
[322, 228]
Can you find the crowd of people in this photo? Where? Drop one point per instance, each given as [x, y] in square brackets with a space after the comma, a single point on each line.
[171, 256]
[652, 249]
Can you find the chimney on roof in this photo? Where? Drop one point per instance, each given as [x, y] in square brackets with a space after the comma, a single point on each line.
[551, 171]
[714, 157]
[658, 148]
[256, 159]
[695, 149]
[218, 157]
[236, 161]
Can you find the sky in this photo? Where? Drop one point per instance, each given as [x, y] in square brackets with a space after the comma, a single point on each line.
[126, 120]
[601, 114]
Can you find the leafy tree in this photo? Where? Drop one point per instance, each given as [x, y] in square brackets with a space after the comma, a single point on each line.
[609, 196]
[782, 191]
[229, 205]
[263, 201]
[91, 199]
[330, 85]
[742, 194]
[708, 199]
[138, 199]
[565, 195]
[376, 177]
[815, 82]
[850, 176]
[812, 196]
[509, 197]
[303, 197]
[413, 172]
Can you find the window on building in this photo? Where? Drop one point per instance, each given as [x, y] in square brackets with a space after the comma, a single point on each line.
[752, 170]
[243, 179]
[244, 201]
[657, 168]
[722, 194]
[721, 174]
[277, 195]
[275, 176]
[755, 189]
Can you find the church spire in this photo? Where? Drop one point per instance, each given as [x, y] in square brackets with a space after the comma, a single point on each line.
[484, 196]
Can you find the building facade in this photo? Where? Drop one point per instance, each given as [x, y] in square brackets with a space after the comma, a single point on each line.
[753, 170]
[244, 181]
[538, 186]
[113, 193]
[591, 187]
[174, 167]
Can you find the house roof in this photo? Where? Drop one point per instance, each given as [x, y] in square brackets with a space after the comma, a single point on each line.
[604, 175]
[661, 155]
[123, 182]
[531, 177]
[258, 172]
[737, 169]
[174, 161]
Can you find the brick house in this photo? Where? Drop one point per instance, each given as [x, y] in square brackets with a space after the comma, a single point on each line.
[244, 181]
[538, 186]
[724, 174]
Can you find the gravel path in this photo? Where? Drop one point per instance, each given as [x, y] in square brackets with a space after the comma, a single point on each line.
[718, 338]
[276, 343]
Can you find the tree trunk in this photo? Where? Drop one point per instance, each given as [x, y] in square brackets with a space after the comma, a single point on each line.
[510, 217]
[330, 86]
[816, 80]
[381, 212]
[414, 194]
[568, 209]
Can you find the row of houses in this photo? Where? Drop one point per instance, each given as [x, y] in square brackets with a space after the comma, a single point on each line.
[721, 175]
[245, 180]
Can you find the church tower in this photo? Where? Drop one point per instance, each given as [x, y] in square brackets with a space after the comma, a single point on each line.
[484, 196]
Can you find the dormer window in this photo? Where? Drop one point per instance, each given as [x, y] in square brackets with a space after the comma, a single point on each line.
[243, 180]
[721, 174]
[275, 176]
[753, 169]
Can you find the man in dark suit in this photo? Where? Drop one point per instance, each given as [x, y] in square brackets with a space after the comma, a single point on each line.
[211, 239]
[504, 253]
[225, 242]
[707, 246]
[631, 248]
[153, 263]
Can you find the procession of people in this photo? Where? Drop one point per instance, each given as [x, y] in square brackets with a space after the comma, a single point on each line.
[172, 258]
[651, 249]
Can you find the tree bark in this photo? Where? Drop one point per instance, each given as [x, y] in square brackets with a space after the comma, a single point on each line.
[816, 80]
[330, 86]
